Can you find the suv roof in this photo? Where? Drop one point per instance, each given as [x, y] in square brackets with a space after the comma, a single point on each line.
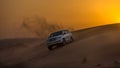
[58, 33]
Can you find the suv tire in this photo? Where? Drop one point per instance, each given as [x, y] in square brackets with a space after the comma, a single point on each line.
[50, 47]
[72, 39]
[64, 42]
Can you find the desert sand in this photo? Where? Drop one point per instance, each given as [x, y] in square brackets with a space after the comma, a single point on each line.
[97, 47]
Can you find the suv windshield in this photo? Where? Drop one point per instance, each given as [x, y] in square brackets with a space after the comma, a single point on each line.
[56, 33]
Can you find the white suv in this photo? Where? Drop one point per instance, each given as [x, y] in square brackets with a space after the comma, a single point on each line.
[59, 38]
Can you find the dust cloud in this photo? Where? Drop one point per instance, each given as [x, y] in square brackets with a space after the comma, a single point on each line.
[41, 27]
[77, 14]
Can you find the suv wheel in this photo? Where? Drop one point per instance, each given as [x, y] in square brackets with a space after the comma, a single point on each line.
[50, 47]
[64, 42]
[72, 39]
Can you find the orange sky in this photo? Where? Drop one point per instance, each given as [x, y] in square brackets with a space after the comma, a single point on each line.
[76, 13]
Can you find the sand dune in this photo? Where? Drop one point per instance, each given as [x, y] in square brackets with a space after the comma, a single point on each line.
[97, 47]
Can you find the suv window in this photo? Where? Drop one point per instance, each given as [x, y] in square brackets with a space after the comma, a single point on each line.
[56, 33]
[67, 31]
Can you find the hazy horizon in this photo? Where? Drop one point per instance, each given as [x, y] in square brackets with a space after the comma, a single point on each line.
[78, 14]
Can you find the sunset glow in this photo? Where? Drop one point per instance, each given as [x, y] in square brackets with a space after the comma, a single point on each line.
[78, 14]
